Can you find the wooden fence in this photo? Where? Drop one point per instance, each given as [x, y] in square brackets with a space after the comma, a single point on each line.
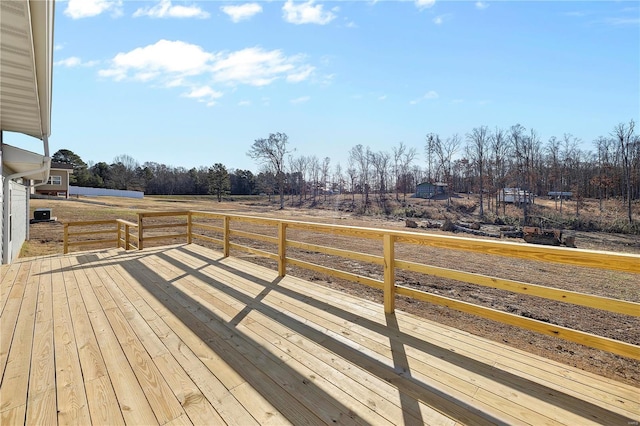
[118, 233]
[215, 228]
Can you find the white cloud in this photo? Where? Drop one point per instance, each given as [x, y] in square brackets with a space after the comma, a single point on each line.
[306, 13]
[176, 82]
[164, 9]
[175, 58]
[622, 21]
[58, 46]
[303, 73]
[177, 64]
[441, 19]
[244, 103]
[74, 61]
[77, 9]
[481, 5]
[300, 100]
[204, 94]
[430, 95]
[70, 62]
[242, 12]
[424, 4]
[327, 79]
[382, 98]
[257, 67]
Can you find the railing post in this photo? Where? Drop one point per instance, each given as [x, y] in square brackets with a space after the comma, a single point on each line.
[282, 249]
[140, 231]
[127, 239]
[225, 237]
[389, 273]
[189, 227]
[66, 238]
[119, 233]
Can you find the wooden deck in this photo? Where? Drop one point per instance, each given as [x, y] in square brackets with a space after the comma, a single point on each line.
[181, 335]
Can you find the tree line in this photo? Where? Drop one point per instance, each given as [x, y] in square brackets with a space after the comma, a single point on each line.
[484, 160]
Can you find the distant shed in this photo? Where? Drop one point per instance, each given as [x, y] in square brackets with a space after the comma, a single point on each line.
[430, 190]
[515, 195]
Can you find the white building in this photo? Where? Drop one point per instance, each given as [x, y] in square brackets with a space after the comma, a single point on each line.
[26, 71]
[514, 196]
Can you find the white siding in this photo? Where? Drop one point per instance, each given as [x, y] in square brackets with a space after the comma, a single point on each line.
[19, 218]
[1, 211]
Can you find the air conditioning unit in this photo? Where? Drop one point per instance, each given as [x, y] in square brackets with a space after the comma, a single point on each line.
[42, 214]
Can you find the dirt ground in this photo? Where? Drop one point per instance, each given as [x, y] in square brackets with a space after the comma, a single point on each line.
[47, 237]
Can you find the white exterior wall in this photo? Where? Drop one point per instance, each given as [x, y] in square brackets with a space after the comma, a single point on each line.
[18, 218]
[1, 204]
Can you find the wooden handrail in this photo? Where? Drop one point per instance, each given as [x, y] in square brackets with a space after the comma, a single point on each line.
[389, 239]
[116, 231]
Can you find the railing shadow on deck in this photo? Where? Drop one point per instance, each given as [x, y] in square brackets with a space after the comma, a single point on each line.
[400, 375]
[436, 399]
[150, 280]
[412, 390]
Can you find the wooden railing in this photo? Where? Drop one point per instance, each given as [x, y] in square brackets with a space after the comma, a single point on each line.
[118, 233]
[216, 228]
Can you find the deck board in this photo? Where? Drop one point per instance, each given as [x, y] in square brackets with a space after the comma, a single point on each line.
[41, 405]
[180, 335]
[15, 381]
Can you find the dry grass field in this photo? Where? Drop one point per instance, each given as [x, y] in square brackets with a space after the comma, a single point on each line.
[46, 238]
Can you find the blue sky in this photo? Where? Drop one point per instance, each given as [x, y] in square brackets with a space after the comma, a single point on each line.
[195, 83]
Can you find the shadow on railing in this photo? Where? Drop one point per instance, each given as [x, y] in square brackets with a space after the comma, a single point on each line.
[281, 240]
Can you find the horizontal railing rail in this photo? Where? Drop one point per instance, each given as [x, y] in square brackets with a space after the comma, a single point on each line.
[118, 229]
[275, 243]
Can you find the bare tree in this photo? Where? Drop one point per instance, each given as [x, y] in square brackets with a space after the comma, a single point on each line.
[520, 143]
[380, 161]
[477, 147]
[445, 150]
[314, 176]
[568, 153]
[338, 179]
[298, 165]
[271, 152]
[353, 177]
[626, 140]
[499, 151]
[325, 175]
[417, 174]
[602, 147]
[361, 158]
[407, 158]
[398, 152]
[553, 159]
[430, 149]
[123, 172]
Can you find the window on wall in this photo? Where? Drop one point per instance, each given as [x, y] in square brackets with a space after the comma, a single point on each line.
[54, 180]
